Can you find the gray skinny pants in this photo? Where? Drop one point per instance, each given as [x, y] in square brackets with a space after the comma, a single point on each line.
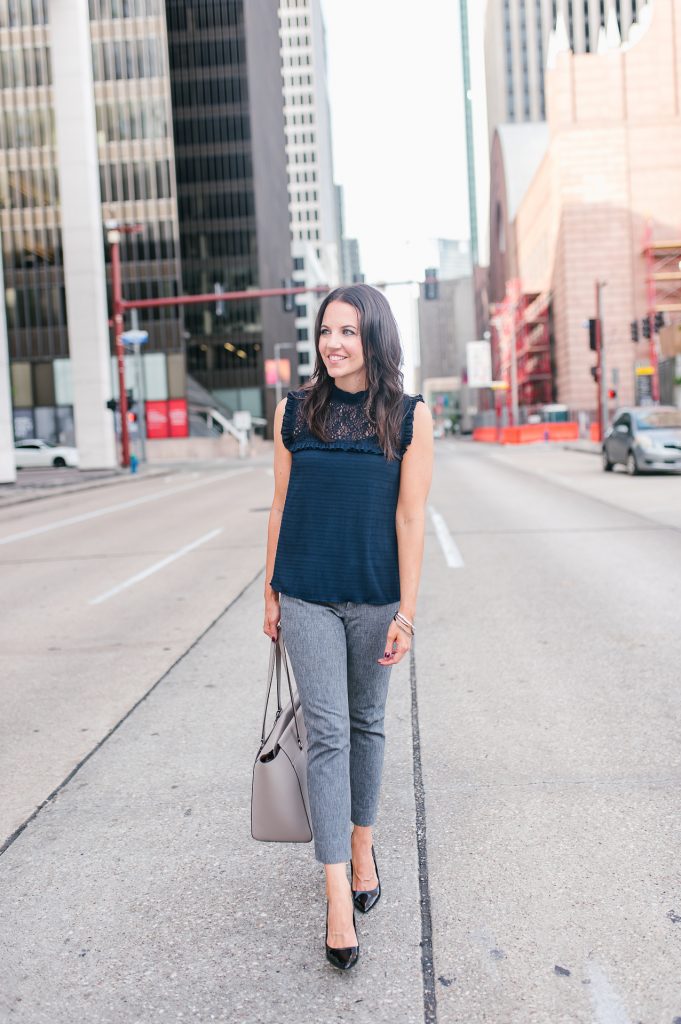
[333, 649]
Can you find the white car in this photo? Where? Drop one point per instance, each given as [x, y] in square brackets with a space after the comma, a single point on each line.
[34, 452]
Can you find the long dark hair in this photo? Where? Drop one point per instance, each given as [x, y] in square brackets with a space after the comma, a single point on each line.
[382, 360]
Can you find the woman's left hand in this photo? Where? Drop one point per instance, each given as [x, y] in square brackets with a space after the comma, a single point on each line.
[397, 643]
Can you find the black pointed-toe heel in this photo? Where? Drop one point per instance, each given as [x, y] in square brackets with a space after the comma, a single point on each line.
[365, 899]
[347, 956]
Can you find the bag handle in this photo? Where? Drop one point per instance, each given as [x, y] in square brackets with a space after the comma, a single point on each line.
[277, 651]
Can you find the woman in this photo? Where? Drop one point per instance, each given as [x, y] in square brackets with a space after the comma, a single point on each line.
[353, 460]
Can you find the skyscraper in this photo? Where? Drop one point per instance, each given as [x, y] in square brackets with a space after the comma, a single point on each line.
[516, 47]
[228, 120]
[191, 146]
[315, 247]
[137, 182]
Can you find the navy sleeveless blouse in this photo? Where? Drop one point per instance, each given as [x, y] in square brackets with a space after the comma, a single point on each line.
[337, 539]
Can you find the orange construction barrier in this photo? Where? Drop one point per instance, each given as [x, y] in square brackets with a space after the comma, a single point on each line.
[528, 433]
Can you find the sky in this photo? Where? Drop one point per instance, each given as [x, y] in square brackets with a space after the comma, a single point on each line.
[396, 96]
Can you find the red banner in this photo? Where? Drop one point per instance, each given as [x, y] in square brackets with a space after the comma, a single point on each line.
[157, 419]
[177, 417]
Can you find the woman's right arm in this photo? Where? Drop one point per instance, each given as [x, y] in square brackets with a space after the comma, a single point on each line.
[282, 471]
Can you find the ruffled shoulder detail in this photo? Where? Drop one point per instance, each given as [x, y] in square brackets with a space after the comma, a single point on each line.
[366, 445]
[288, 423]
[408, 421]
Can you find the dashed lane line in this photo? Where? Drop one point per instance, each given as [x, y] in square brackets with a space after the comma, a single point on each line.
[453, 556]
[138, 577]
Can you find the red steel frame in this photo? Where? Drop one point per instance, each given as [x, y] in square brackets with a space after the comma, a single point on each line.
[523, 318]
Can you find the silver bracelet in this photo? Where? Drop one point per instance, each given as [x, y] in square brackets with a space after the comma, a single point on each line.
[399, 617]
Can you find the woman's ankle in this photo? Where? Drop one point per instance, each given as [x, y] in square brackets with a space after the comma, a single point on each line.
[362, 837]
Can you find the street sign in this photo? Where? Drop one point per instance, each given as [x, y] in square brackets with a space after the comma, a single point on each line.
[643, 378]
[479, 364]
[135, 337]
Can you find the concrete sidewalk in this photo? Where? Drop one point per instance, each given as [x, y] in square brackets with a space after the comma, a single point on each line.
[138, 894]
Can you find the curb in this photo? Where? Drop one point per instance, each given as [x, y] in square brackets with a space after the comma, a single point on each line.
[59, 490]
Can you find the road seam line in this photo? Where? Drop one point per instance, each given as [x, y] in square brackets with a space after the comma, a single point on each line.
[145, 573]
[96, 513]
[114, 728]
[427, 966]
[451, 552]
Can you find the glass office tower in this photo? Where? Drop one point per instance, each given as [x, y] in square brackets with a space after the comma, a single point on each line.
[232, 190]
[202, 170]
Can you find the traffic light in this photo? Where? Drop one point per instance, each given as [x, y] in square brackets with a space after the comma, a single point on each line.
[112, 404]
[634, 330]
[612, 393]
[595, 374]
[129, 396]
[132, 416]
[288, 301]
[659, 321]
[432, 290]
[592, 335]
[645, 327]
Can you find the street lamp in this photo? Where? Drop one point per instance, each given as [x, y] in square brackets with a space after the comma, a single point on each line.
[277, 384]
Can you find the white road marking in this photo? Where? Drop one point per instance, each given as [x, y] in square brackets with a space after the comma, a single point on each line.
[138, 577]
[451, 552]
[72, 520]
[607, 1005]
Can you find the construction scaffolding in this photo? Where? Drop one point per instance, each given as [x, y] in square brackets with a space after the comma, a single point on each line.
[663, 295]
[521, 348]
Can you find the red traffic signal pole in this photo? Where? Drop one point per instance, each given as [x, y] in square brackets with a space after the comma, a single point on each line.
[117, 303]
[114, 233]
[120, 305]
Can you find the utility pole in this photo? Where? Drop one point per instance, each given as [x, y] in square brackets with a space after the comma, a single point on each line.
[468, 116]
[600, 353]
[514, 363]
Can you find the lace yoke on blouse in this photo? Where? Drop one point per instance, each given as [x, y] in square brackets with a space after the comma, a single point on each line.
[347, 427]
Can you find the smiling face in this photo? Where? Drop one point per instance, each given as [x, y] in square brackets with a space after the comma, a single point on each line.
[340, 346]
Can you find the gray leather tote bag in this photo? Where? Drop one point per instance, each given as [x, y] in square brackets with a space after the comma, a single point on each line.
[280, 810]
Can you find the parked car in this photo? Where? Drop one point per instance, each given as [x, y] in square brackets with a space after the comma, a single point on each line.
[646, 437]
[35, 452]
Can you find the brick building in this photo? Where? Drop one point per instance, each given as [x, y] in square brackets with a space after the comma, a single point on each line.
[605, 172]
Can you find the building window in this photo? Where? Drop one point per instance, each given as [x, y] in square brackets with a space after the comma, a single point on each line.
[303, 359]
[298, 263]
[302, 334]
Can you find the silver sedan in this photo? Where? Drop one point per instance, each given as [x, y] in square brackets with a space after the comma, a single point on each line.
[646, 437]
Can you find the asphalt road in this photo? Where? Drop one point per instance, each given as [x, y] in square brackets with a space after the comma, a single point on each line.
[531, 834]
